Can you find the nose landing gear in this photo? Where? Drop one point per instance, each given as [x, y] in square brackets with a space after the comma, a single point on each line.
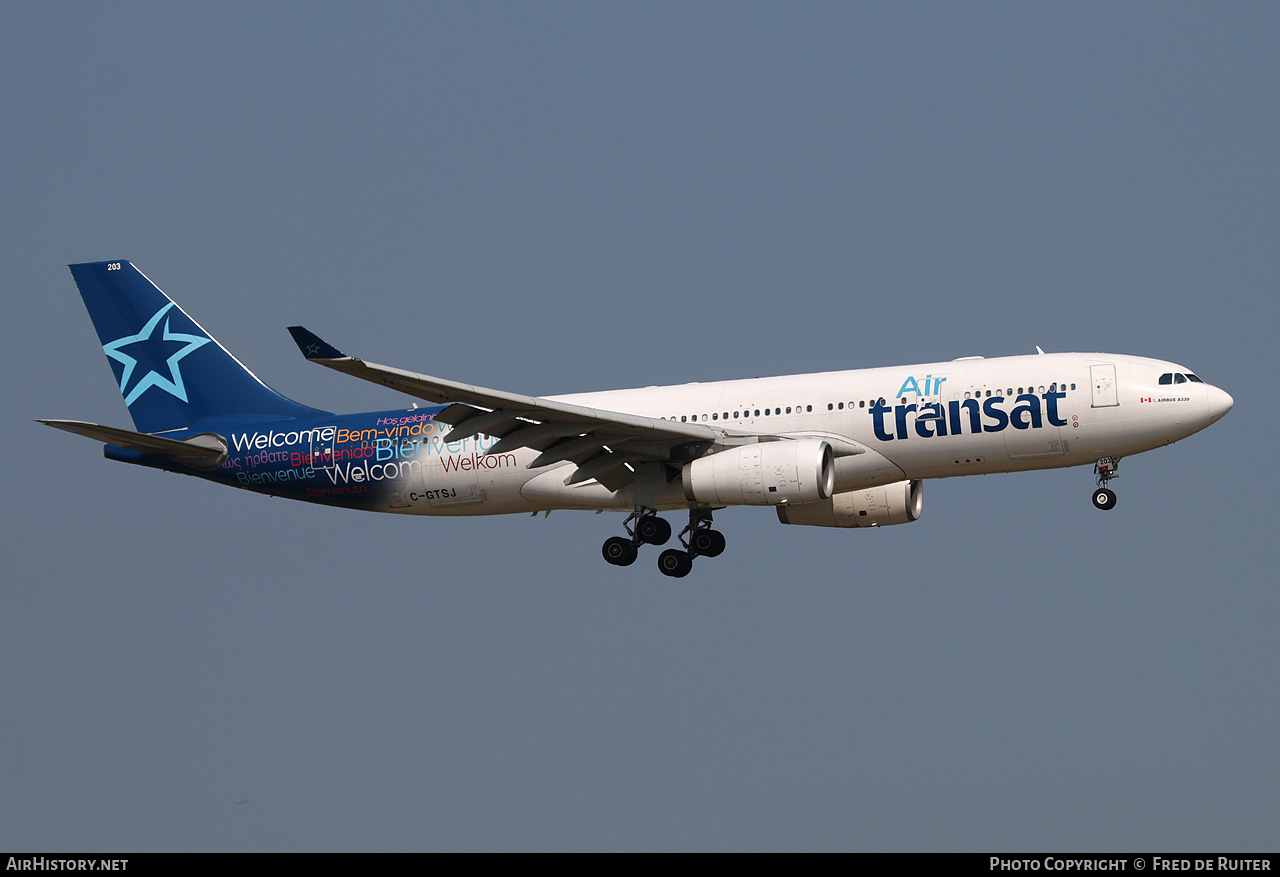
[1104, 498]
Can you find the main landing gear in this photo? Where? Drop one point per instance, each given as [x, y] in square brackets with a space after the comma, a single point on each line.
[1104, 498]
[698, 539]
[649, 528]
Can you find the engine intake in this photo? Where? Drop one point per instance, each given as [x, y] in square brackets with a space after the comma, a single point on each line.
[768, 473]
[897, 503]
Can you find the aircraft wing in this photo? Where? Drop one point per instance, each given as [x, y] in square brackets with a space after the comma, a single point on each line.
[602, 444]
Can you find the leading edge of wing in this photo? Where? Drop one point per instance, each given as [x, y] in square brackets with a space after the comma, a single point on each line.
[441, 391]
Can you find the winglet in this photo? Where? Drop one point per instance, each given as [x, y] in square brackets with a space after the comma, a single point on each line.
[313, 346]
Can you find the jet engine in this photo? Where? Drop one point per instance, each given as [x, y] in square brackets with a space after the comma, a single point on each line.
[897, 503]
[768, 473]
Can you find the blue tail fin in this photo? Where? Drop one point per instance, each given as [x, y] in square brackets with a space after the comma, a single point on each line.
[172, 374]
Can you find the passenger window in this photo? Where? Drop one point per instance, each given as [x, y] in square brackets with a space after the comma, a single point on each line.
[808, 408]
[831, 407]
[715, 416]
[1166, 378]
[862, 403]
[683, 419]
[841, 406]
[788, 409]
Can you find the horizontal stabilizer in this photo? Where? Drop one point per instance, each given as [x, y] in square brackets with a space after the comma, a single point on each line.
[204, 451]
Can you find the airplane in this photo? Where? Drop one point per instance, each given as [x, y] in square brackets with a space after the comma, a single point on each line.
[834, 449]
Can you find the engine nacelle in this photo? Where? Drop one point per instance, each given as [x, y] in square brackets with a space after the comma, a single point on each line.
[898, 503]
[768, 473]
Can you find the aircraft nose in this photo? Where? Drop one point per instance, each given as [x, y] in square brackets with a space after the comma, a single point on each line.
[1220, 402]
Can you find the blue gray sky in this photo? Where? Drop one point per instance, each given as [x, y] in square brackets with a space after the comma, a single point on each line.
[560, 197]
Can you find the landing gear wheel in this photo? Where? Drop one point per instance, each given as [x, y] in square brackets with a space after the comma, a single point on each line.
[1104, 499]
[619, 551]
[653, 530]
[675, 563]
[708, 543]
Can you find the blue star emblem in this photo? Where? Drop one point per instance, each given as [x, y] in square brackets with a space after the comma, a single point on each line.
[173, 383]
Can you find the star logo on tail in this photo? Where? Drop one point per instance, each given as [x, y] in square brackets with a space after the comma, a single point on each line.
[148, 335]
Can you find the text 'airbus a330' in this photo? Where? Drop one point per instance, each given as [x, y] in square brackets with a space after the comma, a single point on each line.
[835, 449]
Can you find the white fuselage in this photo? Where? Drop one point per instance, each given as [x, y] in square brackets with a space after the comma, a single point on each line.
[1076, 408]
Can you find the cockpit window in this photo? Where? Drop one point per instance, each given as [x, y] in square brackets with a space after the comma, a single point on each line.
[1192, 377]
[1166, 378]
[1179, 379]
